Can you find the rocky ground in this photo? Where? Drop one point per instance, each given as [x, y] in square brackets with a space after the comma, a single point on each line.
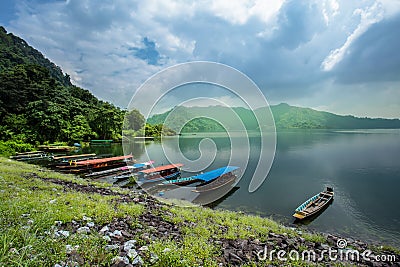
[131, 238]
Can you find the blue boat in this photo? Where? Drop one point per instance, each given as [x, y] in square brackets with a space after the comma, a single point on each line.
[204, 178]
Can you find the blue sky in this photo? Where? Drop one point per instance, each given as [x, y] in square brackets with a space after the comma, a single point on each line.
[333, 55]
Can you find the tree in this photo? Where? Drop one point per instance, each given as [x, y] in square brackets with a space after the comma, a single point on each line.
[134, 120]
[79, 129]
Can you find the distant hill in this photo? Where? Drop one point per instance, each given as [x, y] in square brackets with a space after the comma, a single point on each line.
[285, 116]
[38, 103]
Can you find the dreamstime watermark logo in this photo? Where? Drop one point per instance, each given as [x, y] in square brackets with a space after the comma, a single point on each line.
[221, 89]
[340, 253]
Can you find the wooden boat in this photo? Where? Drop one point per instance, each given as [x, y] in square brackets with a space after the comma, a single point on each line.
[50, 148]
[70, 160]
[101, 142]
[72, 157]
[29, 152]
[96, 164]
[204, 178]
[166, 172]
[32, 156]
[29, 155]
[314, 204]
[224, 177]
[124, 170]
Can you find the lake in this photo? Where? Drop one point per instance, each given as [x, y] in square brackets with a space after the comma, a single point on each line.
[362, 166]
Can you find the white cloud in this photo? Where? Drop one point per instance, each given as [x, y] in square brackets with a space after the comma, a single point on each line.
[368, 17]
[330, 8]
[279, 44]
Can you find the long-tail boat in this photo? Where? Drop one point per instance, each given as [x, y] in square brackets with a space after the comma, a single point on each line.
[159, 173]
[29, 155]
[54, 148]
[226, 177]
[97, 164]
[204, 178]
[71, 159]
[314, 204]
[119, 171]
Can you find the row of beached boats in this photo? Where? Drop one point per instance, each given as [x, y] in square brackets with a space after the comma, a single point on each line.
[123, 170]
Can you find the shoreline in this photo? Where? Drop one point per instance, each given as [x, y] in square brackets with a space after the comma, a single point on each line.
[128, 228]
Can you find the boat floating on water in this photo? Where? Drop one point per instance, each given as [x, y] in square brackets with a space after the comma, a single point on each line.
[165, 172]
[314, 204]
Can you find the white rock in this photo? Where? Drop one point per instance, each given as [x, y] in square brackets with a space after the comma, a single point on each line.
[129, 244]
[83, 230]
[144, 248]
[104, 230]
[107, 238]
[58, 223]
[90, 224]
[137, 261]
[68, 249]
[116, 233]
[132, 253]
[29, 221]
[111, 247]
[85, 218]
[120, 259]
[57, 265]
[153, 258]
[62, 233]
[52, 201]
[166, 250]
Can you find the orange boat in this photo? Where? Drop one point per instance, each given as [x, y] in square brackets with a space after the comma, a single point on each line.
[97, 164]
[159, 173]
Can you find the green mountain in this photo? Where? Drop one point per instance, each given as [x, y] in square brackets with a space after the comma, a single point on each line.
[285, 116]
[15, 51]
[38, 103]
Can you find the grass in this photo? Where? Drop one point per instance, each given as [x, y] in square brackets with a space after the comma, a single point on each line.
[30, 206]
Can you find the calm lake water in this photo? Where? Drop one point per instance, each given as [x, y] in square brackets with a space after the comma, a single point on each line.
[362, 166]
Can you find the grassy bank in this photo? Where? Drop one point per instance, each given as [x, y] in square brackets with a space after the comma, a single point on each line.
[49, 218]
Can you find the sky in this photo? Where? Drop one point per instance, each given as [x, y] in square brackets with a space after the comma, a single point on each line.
[339, 56]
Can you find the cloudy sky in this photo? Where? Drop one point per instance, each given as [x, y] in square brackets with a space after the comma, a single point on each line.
[335, 55]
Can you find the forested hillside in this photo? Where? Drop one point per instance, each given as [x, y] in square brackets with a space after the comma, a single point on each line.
[38, 103]
[285, 116]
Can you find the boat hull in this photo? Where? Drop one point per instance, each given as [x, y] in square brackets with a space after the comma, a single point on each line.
[314, 205]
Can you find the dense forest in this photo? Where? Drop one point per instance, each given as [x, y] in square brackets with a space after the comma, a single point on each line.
[39, 104]
[285, 116]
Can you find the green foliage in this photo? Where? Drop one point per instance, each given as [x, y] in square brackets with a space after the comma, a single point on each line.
[134, 120]
[10, 147]
[39, 104]
[15, 51]
[157, 130]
